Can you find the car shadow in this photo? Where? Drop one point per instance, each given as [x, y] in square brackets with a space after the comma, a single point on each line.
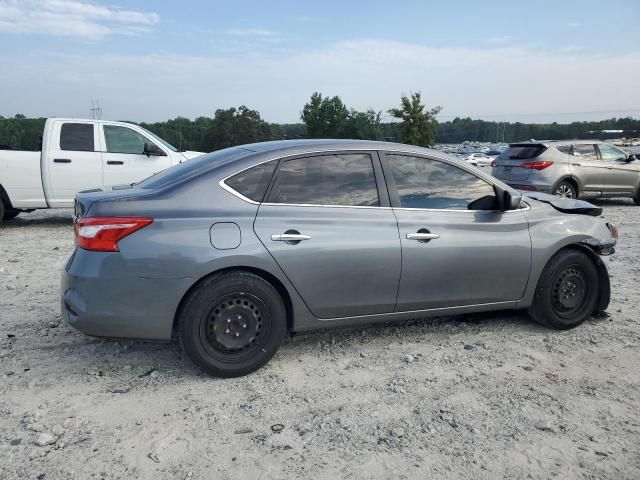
[48, 221]
[612, 202]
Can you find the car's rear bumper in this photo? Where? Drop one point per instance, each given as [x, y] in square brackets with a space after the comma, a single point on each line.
[102, 298]
[529, 185]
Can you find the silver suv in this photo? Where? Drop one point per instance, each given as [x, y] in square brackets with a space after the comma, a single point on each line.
[570, 168]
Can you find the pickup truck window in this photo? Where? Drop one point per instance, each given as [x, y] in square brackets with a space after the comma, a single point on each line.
[124, 140]
[77, 137]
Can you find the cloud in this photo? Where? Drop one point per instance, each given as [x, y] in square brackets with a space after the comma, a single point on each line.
[251, 32]
[499, 40]
[508, 83]
[573, 24]
[72, 18]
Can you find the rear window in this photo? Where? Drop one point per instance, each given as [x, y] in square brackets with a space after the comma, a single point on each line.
[192, 167]
[525, 151]
[76, 137]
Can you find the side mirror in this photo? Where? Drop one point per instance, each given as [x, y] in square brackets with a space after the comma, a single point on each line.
[512, 200]
[151, 149]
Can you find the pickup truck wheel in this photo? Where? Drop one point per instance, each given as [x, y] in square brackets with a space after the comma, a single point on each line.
[567, 291]
[232, 324]
[10, 214]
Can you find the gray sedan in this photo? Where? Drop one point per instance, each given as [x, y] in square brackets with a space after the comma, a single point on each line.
[232, 250]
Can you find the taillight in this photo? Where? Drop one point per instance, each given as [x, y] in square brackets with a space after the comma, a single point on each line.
[102, 234]
[493, 163]
[536, 164]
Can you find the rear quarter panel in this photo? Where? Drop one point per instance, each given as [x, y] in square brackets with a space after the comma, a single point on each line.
[173, 253]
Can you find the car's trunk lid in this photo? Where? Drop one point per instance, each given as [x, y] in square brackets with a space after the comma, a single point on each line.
[508, 163]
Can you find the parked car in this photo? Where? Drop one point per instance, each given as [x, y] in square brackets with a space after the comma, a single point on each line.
[479, 159]
[571, 169]
[80, 155]
[234, 249]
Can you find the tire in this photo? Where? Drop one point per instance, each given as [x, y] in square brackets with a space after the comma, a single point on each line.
[566, 190]
[567, 291]
[2, 210]
[232, 324]
[636, 199]
[10, 214]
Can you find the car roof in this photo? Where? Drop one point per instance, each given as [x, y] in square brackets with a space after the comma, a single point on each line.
[558, 142]
[322, 144]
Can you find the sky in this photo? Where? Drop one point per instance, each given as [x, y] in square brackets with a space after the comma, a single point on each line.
[529, 61]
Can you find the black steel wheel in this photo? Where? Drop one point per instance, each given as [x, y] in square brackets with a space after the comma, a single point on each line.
[232, 324]
[567, 291]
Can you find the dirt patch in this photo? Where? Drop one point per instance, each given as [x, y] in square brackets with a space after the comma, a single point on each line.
[483, 396]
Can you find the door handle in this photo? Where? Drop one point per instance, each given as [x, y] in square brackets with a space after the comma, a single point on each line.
[115, 162]
[422, 236]
[61, 160]
[290, 237]
[576, 164]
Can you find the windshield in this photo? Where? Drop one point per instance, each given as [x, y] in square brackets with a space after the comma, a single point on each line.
[159, 140]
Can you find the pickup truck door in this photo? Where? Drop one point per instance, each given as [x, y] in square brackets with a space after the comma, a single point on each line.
[71, 161]
[123, 159]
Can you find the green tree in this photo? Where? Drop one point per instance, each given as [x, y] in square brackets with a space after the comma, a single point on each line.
[235, 127]
[329, 117]
[418, 126]
[325, 117]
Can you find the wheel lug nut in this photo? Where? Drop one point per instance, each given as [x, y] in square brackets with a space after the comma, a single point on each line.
[239, 317]
[237, 334]
[244, 325]
[228, 320]
[226, 331]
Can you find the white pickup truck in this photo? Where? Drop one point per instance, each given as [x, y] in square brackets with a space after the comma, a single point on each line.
[80, 155]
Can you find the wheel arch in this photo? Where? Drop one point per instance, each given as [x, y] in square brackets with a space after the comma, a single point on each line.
[268, 277]
[4, 198]
[570, 179]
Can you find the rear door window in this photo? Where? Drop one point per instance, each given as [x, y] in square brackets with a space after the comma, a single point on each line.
[77, 137]
[585, 150]
[340, 179]
[564, 149]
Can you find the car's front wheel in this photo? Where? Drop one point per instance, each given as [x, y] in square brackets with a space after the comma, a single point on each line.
[567, 290]
[565, 190]
[232, 324]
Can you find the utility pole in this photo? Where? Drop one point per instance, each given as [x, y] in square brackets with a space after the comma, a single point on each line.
[95, 110]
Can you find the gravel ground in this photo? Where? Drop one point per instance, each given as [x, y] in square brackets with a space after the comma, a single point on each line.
[485, 396]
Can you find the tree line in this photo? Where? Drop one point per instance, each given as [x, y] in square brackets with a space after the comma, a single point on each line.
[329, 117]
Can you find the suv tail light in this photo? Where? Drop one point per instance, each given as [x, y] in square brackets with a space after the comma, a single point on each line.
[493, 162]
[536, 165]
[102, 234]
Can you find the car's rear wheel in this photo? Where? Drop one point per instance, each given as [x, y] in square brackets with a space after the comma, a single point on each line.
[232, 324]
[636, 199]
[567, 290]
[565, 189]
